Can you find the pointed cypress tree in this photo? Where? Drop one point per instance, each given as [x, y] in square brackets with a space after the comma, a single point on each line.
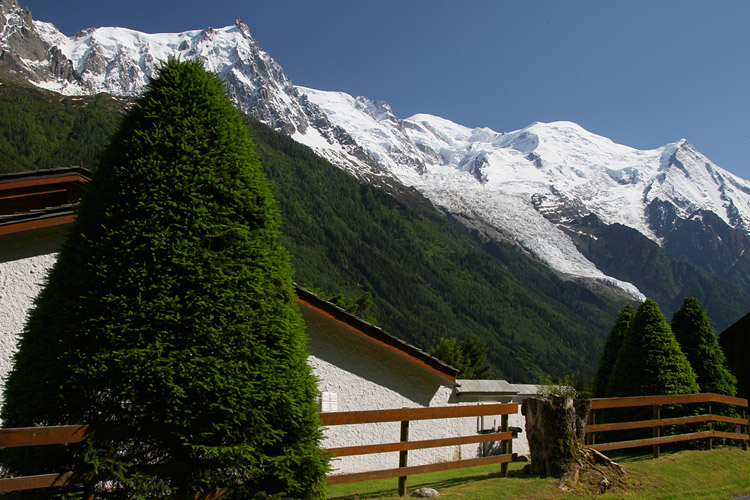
[650, 361]
[697, 338]
[611, 350]
[170, 314]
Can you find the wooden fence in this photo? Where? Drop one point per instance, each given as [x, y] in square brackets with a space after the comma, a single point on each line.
[406, 415]
[37, 436]
[593, 429]
[34, 436]
[69, 434]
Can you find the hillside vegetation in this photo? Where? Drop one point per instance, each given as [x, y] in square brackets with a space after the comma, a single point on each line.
[626, 254]
[42, 129]
[428, 275]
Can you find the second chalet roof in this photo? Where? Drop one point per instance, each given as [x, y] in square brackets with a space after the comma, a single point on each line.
[486, 387]
[40, 198]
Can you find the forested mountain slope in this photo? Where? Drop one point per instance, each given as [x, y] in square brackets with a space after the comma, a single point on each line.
[428, 275]
[41, 129]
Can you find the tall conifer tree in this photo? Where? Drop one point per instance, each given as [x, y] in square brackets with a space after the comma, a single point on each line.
[170, 313]
[611, 349]
[697, 338]
[650, 361]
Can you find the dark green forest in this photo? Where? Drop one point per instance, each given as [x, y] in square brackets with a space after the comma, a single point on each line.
[41, 129]
[428, 275]
[626, 254]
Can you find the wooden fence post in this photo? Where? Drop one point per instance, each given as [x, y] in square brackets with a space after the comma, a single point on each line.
[403, 457]
[657, 429]
[504, 445]
[710, 428]
[591, 437]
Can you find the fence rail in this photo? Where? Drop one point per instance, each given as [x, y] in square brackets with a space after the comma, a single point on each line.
[657, 422]
[37, 436]
[406, 415]
[69, 434]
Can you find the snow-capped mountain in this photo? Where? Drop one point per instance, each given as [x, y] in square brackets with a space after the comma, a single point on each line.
[531, 183]
[534, 186]
[120, 62]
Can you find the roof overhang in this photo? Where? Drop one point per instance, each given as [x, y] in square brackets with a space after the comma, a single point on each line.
[487, 388]
[40, 199]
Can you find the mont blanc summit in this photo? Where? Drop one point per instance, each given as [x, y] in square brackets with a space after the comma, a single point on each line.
[551, 188]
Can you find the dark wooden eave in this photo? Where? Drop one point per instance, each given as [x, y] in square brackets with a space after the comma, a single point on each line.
[40, 198]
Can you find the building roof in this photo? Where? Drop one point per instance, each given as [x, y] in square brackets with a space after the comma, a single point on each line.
[485, 388]
[528, 389]
[40, 198]
[740, 328]
[358, 326]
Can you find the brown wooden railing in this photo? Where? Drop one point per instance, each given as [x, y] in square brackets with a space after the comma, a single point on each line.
[406, 415]
[69, 434]
[594, 429]
[36, 436]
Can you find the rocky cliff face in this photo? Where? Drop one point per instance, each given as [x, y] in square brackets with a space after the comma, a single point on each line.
[24, 51]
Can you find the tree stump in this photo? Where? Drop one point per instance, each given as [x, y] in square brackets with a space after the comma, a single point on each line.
[555, 429]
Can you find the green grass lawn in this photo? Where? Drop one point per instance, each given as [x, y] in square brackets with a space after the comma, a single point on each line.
[721, 474]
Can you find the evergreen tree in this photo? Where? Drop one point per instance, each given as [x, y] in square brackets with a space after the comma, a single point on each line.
[698, 341]
[650, 361]
[357, 307]
[170, 314]
[468, 357]
[611, 349]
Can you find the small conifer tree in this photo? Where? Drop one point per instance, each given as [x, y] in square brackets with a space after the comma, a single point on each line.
[697, 338]
[468, 356]
[170, 317]
[650, 361]
[611, 349]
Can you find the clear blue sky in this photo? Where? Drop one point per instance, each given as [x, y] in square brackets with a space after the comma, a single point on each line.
[643, 73]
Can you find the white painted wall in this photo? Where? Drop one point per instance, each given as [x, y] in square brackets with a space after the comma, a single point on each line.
[20, 282]
[367, 376]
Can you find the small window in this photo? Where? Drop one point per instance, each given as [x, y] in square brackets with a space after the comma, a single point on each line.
[329, 401]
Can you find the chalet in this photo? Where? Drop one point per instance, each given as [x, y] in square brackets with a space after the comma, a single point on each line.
[359, 366]
[735, 341]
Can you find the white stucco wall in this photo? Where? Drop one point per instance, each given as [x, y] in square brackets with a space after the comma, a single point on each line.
[20, 282]
[367, 376]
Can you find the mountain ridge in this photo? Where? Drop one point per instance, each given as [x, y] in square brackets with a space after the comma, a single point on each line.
[531, 186]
